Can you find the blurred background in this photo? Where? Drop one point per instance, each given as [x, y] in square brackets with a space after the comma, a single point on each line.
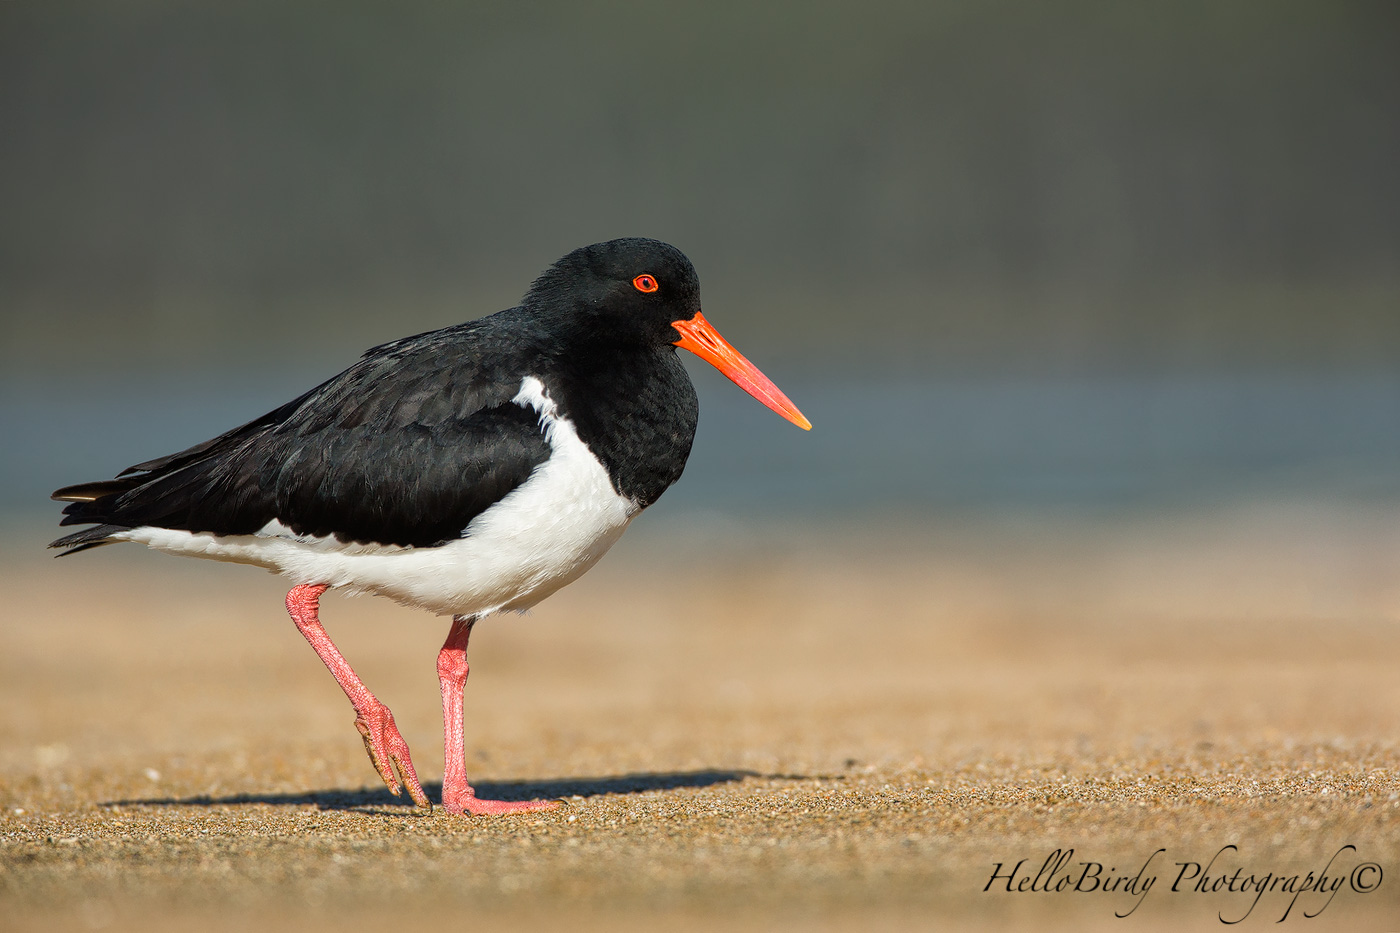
[1005, 255]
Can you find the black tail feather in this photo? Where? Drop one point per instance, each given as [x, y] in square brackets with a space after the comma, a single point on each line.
[88, 538]
[91, 492]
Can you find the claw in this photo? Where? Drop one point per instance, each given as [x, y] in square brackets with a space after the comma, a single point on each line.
[388, 753]
[410, 780]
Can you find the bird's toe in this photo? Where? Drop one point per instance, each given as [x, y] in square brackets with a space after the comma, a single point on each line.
[388, 753]
[472, 805]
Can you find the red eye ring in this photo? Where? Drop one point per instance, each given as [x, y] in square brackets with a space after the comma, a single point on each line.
[645, 283]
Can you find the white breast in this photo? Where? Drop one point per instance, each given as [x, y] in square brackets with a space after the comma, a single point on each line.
[541, 536]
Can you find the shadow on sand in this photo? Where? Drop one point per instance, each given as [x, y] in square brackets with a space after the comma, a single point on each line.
[379, 798]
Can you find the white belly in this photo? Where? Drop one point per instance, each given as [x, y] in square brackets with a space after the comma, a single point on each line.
[541, 536]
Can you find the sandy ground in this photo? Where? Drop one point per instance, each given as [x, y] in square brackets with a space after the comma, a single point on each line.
[812, 729]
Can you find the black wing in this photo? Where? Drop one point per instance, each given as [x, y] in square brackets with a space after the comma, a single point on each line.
[405, 447]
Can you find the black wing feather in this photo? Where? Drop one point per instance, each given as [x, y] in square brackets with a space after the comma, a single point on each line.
[405, 447]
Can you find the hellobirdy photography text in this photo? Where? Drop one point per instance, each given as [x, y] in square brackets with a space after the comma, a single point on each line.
[1227, 876]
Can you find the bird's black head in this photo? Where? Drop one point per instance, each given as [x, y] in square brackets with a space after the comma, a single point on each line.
[635, 294]
[622, 291]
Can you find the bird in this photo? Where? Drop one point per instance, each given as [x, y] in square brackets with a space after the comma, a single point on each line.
[466, 471]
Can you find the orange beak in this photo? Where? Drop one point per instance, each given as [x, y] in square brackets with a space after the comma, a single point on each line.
[699, 337]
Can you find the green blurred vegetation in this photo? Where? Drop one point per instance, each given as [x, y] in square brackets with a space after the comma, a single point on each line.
[895, 184]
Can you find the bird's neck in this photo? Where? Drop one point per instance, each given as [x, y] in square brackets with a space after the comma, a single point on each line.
[636, 411]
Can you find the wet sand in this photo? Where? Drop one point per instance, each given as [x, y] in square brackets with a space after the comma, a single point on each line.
[809, 730]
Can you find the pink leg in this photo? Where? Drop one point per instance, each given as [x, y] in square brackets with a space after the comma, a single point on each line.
[457, 794]
[387, 749]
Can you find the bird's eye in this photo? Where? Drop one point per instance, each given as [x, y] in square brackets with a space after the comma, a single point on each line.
[645, 283]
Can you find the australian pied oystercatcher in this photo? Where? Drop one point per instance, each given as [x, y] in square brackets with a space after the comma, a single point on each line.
[465, 471]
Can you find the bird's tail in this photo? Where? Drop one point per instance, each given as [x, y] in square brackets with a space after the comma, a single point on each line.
[88, 505]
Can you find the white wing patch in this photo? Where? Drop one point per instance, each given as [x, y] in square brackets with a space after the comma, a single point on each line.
[541, 536]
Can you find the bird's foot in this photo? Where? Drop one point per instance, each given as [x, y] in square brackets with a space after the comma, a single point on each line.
[466, 801]
[388, 752]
